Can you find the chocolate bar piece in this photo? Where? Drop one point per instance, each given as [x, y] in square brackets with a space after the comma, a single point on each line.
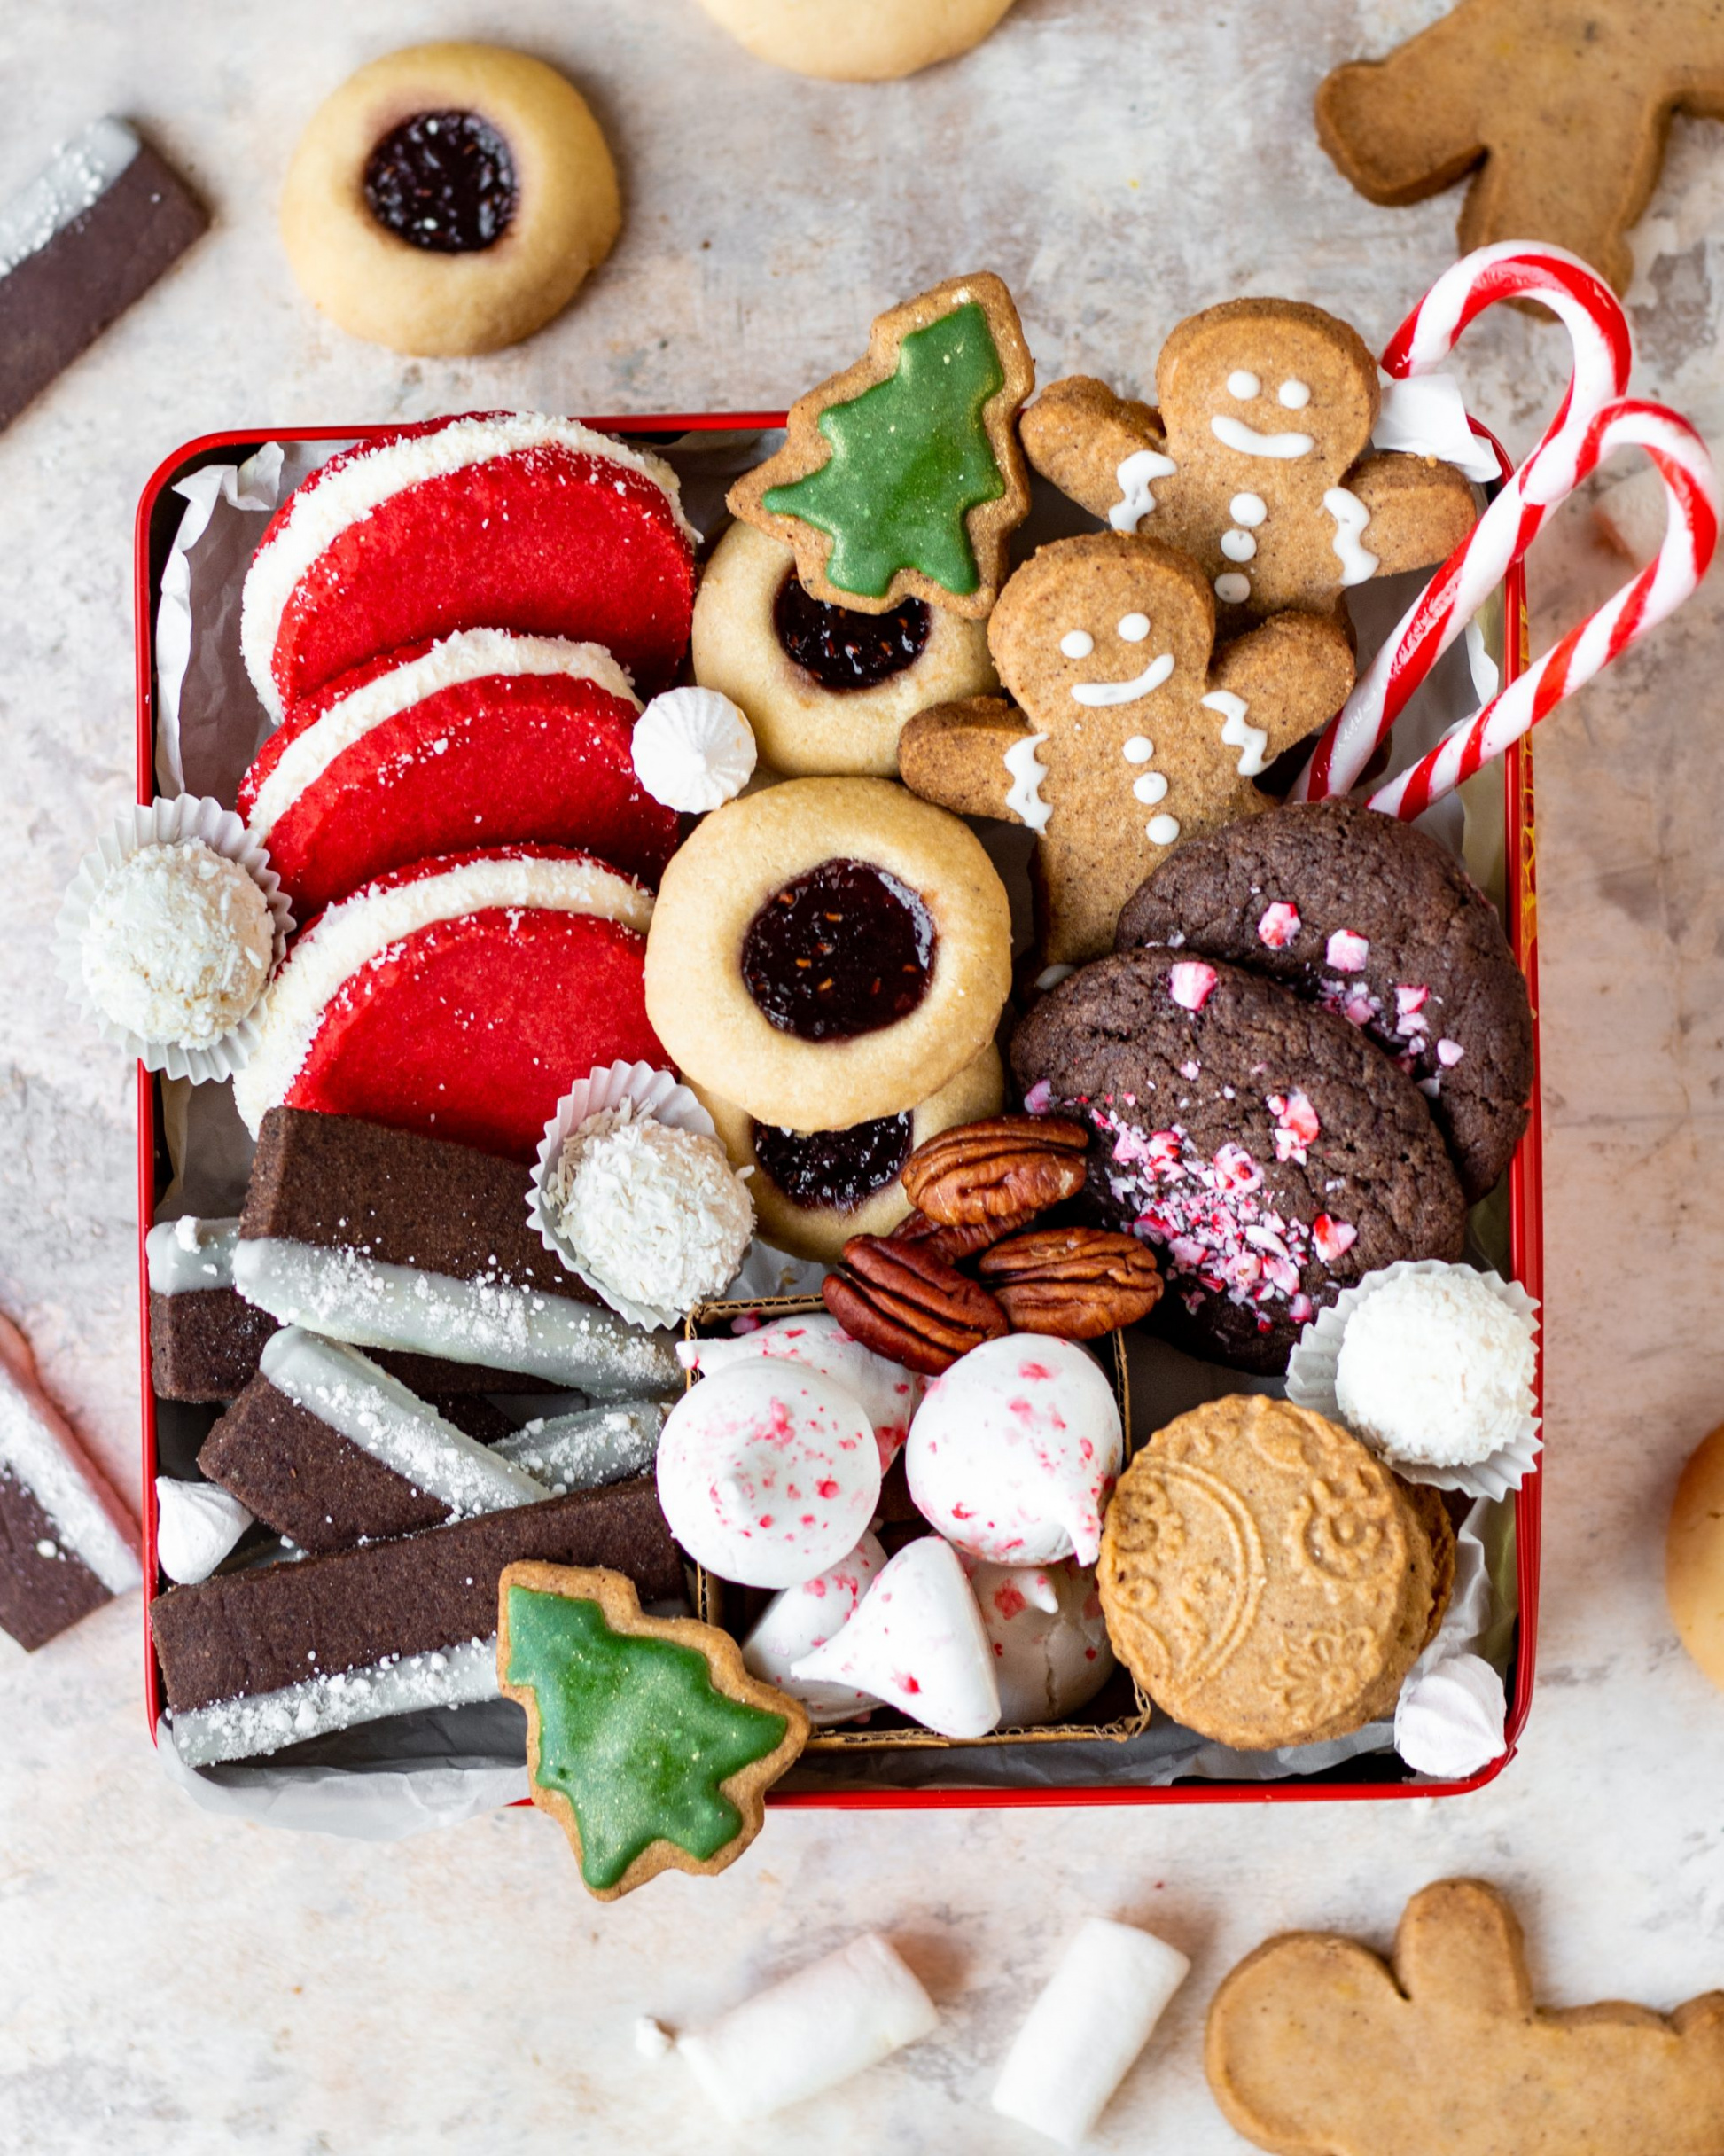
[328, 1449]
[388, 1240]
[206, 1338]
[90, 233]
[252, 1660]
[67, 1542]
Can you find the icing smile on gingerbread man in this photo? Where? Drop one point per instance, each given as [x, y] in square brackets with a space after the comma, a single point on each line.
[1131, 629]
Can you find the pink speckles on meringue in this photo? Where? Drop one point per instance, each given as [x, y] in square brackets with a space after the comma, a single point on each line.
[1191, 983]
[1011, 1457]
[916, 1641]
[1278, 925]
[1348, 951]
[739, 1454]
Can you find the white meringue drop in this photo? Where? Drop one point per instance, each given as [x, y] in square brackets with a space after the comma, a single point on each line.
[917, 1642]
[693, 749]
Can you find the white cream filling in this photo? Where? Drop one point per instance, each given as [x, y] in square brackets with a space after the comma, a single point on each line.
[589, 1449]
[73, 181]
[324, 507]
[347, 1296]
[265, 1720]
[361, 928]
[376, 1412]
[470, 654]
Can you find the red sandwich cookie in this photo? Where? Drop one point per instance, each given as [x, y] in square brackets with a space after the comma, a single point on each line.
[494, 520]
[457, 998]
[481, 740]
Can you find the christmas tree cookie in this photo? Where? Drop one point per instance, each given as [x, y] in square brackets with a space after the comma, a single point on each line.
[647, 1740]
[901, 477]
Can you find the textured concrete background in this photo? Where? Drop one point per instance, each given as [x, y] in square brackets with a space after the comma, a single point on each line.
[172, 1981]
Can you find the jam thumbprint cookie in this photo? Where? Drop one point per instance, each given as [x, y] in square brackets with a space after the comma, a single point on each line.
[813, 1190]
[829, 951]
[826, 688]
[450, 199]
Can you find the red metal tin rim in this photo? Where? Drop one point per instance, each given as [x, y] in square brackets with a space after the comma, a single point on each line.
[1526, 1184]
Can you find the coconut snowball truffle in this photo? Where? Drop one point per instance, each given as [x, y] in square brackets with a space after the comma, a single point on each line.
[177, 943]
[1435, 1369]
[654, 1214]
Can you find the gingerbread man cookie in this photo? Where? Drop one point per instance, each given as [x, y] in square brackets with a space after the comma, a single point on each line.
[1257, 462]
[901, 478]
[1132, 733]
[1559, 107]
[1314, 2048]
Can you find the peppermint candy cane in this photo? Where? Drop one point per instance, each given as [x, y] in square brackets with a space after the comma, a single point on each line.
[1690, 488]
[1604, 356]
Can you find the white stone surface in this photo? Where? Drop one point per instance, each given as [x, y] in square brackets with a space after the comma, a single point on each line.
[175, 1982]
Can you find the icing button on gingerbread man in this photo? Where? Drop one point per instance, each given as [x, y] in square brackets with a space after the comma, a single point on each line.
[1132, 732]
[1256, 464]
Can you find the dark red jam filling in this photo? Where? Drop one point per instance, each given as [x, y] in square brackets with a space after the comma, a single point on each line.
[442, 181]
[842, 949]
[844, 649]
[833, 1167]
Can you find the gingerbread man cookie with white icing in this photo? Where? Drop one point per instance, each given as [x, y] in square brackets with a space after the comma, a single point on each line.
[1257, 462]
[1132, 731]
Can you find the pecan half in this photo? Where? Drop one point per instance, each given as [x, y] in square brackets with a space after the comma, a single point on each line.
[988, 1170]
[956, 1244]
[907, 1304]
[1078, 1283]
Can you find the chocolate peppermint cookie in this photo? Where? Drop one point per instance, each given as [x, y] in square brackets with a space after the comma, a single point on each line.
[1270, 1154]
[1369, 918]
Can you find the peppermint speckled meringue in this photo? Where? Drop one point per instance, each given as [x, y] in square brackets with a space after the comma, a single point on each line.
[1014, 1451]
[801, 1619]
[887, 1394]
[694, 749]
[917, 1643]
[1044, 1623]
[767, 1473]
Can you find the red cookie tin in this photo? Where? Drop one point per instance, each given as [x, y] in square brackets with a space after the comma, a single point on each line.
[1379, 1775]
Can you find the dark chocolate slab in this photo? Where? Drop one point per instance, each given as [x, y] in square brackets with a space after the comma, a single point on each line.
[58, 301]
[344, 1184]
[40, 1594]
[306, 1481]
[259, 1631]
[205, 1343]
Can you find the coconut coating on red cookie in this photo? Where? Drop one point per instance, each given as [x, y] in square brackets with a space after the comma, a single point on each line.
[1265, 1149]
[1371, 917]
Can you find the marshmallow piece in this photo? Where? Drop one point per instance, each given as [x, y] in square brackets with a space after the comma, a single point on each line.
[801, 1619]
[767, 1473]
[1449, 1722]
[1015, 1450]
[816, 2028]
[1094, 2016]
[196, 1524]
[888, 1394]
[1044, 1623]
[917, 1642]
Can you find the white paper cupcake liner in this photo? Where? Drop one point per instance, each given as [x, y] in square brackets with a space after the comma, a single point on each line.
[1311, 1384]
[653, 1093]
[159, 822]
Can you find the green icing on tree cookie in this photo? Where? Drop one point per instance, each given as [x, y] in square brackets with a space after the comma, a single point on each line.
[632, 1730]
[911, 459]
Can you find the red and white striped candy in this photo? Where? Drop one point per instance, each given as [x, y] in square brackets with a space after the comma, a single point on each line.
[1691, 488]
[1604, 356]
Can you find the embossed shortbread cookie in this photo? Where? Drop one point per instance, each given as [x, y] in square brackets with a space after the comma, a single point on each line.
[1316, 2048]
[1263, 1577]
[1135, 733]
[1257, 462]
[902, 477]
